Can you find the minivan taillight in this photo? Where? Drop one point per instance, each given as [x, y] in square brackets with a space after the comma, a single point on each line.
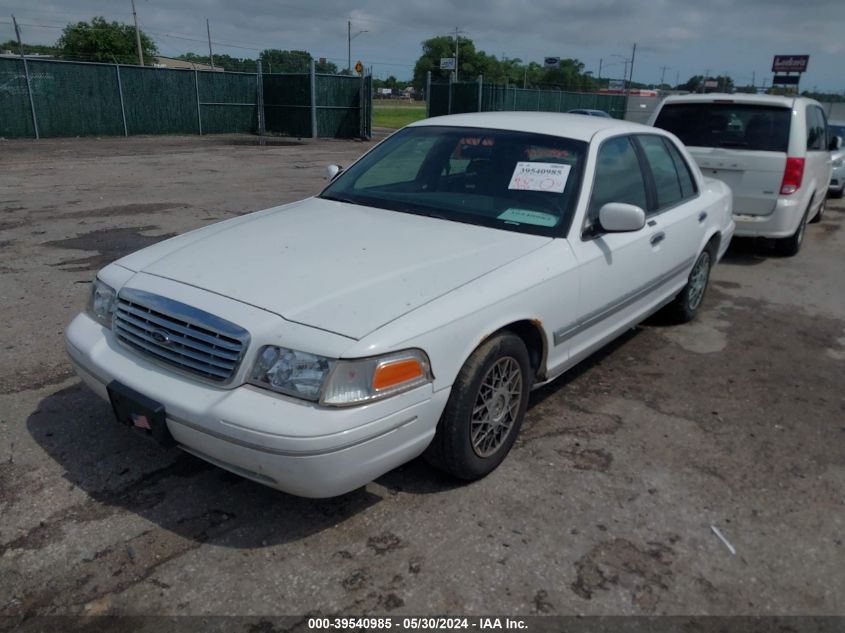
[793, 174]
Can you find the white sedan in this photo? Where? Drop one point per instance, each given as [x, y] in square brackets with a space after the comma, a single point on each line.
[409, 308]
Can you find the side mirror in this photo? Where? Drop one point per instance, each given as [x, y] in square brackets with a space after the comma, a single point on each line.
[835, 143]
[332, 171]
[619, 217]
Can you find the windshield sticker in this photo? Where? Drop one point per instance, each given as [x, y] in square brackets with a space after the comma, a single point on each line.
[549, 177]
[527, 216]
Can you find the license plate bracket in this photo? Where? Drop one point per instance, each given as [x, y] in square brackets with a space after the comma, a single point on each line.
[137, 411]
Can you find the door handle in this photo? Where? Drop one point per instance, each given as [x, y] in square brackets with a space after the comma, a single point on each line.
[657, 238]
[702, 216]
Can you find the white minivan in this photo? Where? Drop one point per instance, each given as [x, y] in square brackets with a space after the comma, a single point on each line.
[773, 152]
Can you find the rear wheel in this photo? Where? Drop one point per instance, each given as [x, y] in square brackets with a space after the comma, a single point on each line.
[820, 213]
[688, 302]
[485, 409]
[790, 246]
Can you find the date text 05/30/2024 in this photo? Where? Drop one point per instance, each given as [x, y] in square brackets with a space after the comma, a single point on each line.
[413, 624]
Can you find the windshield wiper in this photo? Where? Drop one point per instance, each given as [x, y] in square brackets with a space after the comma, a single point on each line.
[336, 198]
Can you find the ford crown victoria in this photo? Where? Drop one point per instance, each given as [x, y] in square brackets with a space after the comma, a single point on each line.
[411, 306]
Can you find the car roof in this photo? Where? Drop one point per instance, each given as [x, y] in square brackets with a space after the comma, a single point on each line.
[574, 126]
[738, 97]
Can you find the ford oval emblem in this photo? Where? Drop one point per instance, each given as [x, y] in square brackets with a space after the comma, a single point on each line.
[161, 337]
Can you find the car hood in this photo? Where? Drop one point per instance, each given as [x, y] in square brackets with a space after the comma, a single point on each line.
[340, 267]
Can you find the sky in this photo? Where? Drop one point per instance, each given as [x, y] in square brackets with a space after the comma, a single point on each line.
[675, 38]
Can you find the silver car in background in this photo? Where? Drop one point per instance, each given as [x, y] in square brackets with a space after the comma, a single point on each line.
[837, 177]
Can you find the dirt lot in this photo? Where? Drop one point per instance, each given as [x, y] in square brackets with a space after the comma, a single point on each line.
[605, 506]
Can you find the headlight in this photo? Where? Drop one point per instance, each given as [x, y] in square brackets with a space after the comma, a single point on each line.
[290, 372]
[101, 302]
[339, 382]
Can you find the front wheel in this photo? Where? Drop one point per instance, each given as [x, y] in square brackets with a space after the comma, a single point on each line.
[688, 302]
[485, 409]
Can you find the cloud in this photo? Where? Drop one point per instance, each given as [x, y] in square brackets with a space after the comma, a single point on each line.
[689, 36]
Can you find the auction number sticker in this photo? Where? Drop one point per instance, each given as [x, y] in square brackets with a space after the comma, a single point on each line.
[549, 177]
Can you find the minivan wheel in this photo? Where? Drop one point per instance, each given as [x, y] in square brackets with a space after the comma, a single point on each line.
[790, 246]
[686, 305]
[485, 409]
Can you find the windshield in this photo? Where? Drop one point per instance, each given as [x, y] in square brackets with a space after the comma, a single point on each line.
[507, 180]
[733, 125]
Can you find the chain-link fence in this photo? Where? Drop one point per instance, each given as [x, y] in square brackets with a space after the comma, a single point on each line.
[476, 96]
[40, 98]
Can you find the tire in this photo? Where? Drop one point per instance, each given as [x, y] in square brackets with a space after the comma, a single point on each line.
[820, 213]
[482, 418]
[686, 305]
[789, 246]
[836, 194]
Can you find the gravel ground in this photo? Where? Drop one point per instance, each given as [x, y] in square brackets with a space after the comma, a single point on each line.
[604, 507]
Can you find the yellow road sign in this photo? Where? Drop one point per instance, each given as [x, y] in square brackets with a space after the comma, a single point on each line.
[359, 67]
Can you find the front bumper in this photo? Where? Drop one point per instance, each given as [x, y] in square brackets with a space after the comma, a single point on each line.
[294, 446]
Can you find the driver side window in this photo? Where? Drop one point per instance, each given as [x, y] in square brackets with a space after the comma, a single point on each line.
[618, 178]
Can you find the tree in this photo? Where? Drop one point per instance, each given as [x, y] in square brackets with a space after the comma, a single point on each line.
[279, 61]
[226, 62]
[696, 84]
[470, 63]
[104, 41]
[28, 49]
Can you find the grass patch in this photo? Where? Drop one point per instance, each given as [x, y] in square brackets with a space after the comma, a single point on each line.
[394, 117]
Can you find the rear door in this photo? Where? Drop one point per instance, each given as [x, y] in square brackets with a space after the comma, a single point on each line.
[620, 272]
[744, 145]
[676, 211]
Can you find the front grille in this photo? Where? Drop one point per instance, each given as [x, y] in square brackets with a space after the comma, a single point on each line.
[174, 333]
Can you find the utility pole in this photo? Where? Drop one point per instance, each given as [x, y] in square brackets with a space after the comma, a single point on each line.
[137, 35]
[600, 62]
[663, 70]
[631, 72]
[210, 54]
[349, 38]
[28, 79]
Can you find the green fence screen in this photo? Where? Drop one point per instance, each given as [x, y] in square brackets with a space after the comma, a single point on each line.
[15, 115]
[473, 96]
[88, 99]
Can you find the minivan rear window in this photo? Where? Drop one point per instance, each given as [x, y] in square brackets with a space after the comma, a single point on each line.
[732, 125]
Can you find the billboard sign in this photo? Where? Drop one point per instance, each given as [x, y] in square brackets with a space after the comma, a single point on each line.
[616, 84]
[551, 62]
[790, 63]
[786, 80]
[447, 63]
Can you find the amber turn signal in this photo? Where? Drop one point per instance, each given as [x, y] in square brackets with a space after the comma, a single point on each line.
[397, 372]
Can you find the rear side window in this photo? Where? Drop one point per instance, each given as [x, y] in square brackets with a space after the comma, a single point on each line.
[816, 134]
[733, 125]
[663, 170]
[688, 187]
